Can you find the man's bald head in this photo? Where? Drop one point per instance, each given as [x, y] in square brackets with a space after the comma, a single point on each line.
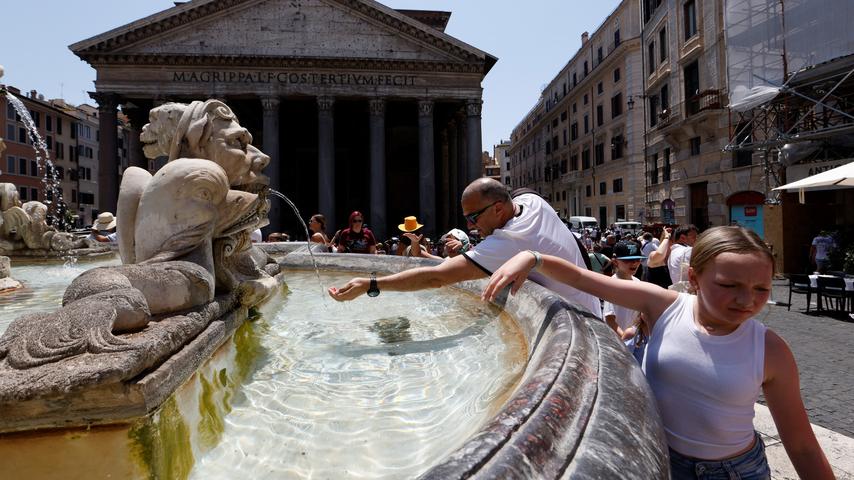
[487, 189]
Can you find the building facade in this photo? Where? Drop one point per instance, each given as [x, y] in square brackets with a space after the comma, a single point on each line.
[359, 106]
[581, 145]
[689, 176]
[501, 153]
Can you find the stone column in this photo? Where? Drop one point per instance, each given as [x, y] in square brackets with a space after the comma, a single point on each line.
[379, 219]
[426, 167]
[446, 200]
[108, 165]
[326, 160]
[473, 139]
[138, 118]
[270, 131]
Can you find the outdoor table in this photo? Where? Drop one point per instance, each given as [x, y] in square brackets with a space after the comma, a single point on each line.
[849, 281]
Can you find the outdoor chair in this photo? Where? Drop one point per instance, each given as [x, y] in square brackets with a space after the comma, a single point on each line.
[800, 284]
[832, 289]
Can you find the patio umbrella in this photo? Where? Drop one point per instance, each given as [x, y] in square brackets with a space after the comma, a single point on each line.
[839, 177]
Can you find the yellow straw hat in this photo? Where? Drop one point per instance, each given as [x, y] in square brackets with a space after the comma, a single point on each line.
[410, 224]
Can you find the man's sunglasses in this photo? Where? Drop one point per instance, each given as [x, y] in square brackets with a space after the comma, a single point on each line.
[357, 220]
[472, 217]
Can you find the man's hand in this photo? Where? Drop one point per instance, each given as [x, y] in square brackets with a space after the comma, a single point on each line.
[415, 243]
[351, 290]
[453, 246]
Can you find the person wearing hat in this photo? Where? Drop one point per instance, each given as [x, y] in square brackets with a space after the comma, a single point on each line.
[410, 237]
[455, 242]
[508, 224]
[104, 228]
[627, 260]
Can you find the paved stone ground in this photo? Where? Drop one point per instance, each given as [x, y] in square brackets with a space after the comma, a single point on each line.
[823, 346]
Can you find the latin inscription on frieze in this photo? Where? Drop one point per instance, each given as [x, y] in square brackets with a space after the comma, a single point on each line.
[293, 78]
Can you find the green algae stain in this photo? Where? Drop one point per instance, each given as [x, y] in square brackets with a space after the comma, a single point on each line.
[161, 443]
[212, 414]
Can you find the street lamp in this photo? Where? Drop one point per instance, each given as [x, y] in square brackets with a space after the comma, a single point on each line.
[631, 102]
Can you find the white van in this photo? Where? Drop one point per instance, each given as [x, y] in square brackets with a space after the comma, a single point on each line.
[623, 228]
[578, 224]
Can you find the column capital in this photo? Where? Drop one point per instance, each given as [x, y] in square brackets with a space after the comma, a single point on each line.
[270, 104]
[325, 103]
[425, 108]
[376, 106]
[106, 100]
[474, 107]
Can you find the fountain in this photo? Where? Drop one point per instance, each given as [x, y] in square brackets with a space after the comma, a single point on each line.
[24, 229]
[151, 370]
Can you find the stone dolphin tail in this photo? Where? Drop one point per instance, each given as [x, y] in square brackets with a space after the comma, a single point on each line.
[134, 181]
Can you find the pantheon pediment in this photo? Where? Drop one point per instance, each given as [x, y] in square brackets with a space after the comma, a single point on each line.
[295, 29]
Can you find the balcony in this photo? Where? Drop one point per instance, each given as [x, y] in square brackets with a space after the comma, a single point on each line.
[711, 99]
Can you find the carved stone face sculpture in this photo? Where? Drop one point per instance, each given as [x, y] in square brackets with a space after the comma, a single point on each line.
[205, 130]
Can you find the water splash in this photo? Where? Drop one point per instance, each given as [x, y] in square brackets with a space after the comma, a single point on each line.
[53, 191]
[307, 236]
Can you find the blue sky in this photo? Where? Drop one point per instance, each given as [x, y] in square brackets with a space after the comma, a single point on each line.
[532, 40]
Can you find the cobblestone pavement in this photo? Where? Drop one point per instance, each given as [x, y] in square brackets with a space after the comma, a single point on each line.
[823, 346]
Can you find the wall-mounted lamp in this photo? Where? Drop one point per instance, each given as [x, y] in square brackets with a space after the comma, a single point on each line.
[631, 102]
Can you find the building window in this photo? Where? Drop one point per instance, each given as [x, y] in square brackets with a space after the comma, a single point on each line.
[695, 146]
[585, 68]
[600, 115]
[22, 193]
[653, 110]
[563, 116]
[585, 159]
[10, 164]
[689, 11]
[573, 162]
[618, 185]
[48, 123]
[574, 79]
[588, 211]
[621, 212]
[564, 137]
[34, 194]
[574, 108]
[665, 169]
[664, 94]
[599, 153]
[616, 105]
[10, 111]
[600, 88]
[58, 126]
[585, 99]
[599, 55]
[653, 169]
[651, 57]
[616, 75]
[22, 135]
[586, 124]
[617, 37]
[573, 131]
[34, 168]
[37, 119]
[617, 147]
[662, 45]
[692, 88]
[10, 132]
[49, 142]
[73, 195]
[603, 188]
[588, 190]
[22, 166]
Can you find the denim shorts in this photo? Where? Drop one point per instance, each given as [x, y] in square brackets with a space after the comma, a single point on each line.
[750, 465]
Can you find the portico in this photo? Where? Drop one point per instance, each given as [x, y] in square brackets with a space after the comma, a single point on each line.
[360, 107]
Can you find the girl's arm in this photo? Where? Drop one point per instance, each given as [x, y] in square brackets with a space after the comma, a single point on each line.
[782, 392]
[644, 297]
[658, 257]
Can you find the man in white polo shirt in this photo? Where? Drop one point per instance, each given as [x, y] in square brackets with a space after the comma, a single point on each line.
[680, 252]
[508, 226]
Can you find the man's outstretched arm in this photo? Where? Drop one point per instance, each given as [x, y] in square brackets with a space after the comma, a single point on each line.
[453, 270]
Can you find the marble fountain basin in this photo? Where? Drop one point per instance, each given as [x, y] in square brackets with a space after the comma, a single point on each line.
[431, 384]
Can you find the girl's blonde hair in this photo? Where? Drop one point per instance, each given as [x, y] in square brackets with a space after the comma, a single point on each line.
[734, 239]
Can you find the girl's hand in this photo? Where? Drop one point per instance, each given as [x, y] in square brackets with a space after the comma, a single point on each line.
[514, 271]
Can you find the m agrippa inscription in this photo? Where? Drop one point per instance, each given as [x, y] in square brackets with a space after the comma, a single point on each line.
[293, 78]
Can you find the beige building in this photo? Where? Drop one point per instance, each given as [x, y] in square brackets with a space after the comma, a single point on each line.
[690, 179]
[581, 145]
[501, 154]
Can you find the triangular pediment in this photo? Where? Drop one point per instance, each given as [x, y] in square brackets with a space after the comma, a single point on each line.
[322, 29]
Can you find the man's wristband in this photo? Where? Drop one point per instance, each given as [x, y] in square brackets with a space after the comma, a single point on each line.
[538, 259]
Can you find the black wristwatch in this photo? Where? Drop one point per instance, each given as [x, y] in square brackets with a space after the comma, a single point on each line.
[373, 290]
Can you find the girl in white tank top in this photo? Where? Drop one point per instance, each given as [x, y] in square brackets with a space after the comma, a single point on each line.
[708, 358]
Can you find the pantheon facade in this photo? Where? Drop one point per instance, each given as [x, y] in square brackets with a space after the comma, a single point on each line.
[359, 106]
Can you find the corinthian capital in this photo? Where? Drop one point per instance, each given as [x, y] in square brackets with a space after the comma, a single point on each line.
[377, 106]
[270, 104]
[425, 108]
[325, 104]
[106, 100]
[473, 107]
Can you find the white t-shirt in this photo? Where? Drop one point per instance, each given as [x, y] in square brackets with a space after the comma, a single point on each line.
[536, 228]
[679, 254]
[625, 317]
[823, 245]
[255, 236]
[705, 385]
[646, 249]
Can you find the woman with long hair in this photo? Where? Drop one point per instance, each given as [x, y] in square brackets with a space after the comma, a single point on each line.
[317, 227]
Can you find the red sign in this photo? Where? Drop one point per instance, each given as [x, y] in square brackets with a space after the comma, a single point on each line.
[749, 211]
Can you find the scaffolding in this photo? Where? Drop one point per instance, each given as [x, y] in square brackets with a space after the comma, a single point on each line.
[790, 69]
